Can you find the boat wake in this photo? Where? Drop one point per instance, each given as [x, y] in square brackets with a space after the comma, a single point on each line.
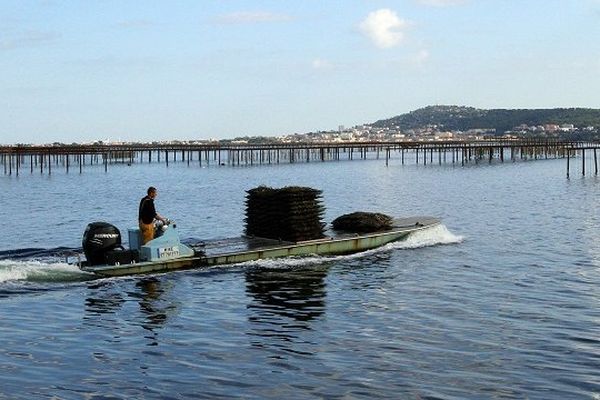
[437, 235]
[37, 271]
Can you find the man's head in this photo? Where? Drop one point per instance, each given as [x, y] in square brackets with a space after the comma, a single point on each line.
[152, 192]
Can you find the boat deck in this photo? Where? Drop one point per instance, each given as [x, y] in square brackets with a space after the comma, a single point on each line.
[219, 247]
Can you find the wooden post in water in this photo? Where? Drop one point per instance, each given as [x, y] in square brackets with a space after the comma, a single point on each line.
[387, 156]
[568, 161]
[583, 162]
[595, 163]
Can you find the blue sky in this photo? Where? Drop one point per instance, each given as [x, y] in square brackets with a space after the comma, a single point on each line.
[77, 71]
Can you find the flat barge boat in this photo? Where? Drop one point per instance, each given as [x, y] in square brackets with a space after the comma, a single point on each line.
[167, 253]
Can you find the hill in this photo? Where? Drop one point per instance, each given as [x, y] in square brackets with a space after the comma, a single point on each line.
[502, 120]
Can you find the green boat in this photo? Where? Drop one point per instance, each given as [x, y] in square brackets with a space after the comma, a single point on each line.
[167, 253]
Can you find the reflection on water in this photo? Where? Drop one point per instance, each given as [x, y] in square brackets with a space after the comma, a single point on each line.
[104, 299]
[297, 295]
[107, 307]
[283, 304]
[151, 304]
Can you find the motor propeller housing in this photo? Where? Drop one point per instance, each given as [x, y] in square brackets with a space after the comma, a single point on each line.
[100, 238]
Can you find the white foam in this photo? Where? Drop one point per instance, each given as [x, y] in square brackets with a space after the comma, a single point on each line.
[428, 237]
[38, 271]
[437, 235]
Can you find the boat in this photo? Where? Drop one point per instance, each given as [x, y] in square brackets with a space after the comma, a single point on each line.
[106, 257]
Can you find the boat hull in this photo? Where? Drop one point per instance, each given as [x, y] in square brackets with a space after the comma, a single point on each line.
[251, 249]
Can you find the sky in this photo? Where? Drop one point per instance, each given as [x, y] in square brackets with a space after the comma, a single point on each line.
[80, 71]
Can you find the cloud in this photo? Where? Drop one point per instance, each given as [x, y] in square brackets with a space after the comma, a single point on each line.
[384, 28]
[252, 17]
[27, 39]
[321, 64]
[441, 3]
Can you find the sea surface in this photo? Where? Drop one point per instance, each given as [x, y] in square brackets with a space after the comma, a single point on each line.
[502, 301]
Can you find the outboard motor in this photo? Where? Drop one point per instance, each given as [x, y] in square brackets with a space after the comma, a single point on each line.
[100, 238]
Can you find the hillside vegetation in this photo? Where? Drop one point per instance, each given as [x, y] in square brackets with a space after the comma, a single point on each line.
[502, 120]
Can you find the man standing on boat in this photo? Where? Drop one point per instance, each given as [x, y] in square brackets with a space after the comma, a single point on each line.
[147, 215]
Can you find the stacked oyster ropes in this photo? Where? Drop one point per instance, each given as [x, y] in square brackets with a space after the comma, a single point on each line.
[291, 213]
[295, 213]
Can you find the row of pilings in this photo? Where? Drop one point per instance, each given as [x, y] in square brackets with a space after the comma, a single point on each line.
[25, 158]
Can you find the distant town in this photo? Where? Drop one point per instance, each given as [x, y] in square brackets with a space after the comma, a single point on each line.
[370, 133]
[433, 123]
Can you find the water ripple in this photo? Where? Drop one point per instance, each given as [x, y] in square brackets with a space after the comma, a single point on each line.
[499, 302]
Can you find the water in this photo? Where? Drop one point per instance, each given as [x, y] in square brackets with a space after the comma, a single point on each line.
[502, 301]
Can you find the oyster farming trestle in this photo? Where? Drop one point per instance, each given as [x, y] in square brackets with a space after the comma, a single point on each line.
[17, 159]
